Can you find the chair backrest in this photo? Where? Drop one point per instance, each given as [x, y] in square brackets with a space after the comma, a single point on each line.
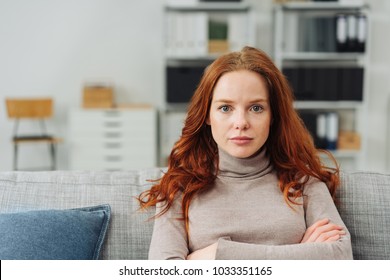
[29, 107]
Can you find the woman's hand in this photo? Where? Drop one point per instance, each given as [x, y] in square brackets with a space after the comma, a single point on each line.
[207, 253]
[323, 231]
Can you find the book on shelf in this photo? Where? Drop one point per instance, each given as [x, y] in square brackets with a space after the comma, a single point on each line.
[338, 32]
[326, 133]
[238, 32]
[326, 83]
[186, 34]
[198, 34]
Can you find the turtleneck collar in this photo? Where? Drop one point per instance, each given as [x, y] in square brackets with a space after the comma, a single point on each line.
[255, 166]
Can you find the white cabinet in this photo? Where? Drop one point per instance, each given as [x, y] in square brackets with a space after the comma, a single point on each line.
[115, 139]
[326, 78]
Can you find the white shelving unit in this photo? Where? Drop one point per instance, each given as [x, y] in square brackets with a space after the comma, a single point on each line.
[288, 52]
[187, 45]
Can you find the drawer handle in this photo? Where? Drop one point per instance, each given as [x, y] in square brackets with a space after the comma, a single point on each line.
[113, 158]
[112, 113]
[112, 134]
[112, 169]
[112, 124]
[113, 145]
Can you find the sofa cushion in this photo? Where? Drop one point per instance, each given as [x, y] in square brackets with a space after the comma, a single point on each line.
[73, 234]
[364, 206]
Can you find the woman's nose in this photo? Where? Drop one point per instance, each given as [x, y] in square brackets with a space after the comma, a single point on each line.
[241, 121]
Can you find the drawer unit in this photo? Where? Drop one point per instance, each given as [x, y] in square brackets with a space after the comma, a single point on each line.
[113, 139]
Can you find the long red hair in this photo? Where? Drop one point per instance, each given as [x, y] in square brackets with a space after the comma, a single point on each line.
[193, 162]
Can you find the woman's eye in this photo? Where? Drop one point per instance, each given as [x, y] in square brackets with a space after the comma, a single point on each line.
[224, 108]
[257, 108]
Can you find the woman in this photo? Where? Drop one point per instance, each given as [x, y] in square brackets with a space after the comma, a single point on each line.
[244, 181]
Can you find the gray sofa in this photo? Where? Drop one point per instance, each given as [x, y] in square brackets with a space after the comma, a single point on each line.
[363, 202]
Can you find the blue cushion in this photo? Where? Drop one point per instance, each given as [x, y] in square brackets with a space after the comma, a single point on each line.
[74, 234]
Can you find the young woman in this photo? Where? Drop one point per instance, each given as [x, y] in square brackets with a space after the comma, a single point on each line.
[244, 181]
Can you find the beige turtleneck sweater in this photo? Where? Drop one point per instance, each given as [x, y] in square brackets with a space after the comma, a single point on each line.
[244, 210]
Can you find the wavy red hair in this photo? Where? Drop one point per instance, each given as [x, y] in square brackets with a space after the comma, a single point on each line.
[193, 162]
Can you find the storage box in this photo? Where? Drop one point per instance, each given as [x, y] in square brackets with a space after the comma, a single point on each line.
[348, 140]
[218, 46]
[98, 97]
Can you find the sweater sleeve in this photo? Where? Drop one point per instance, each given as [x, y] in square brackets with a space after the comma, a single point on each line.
[318, 204]
[169, 240]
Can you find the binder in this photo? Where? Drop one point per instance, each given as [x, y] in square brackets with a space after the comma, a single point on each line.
[352, 33]
[292, 75]
[357, 84]
[321, 131]
[237, 36]
[170, 36]
[311, 34]
[181, 83]
[327, 85]
[307, 81]
[341, 32]
[330, 40]
[332, 130]
[361, 32]
[201, 33]
[351, 84]
[309, 119]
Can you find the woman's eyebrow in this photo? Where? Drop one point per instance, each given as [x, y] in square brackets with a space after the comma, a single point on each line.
[259, 100]
[227, 101]
[224, 101]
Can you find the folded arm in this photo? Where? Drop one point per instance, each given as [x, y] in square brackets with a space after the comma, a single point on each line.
[326, 236]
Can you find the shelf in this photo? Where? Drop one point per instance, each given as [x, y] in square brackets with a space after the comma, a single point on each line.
[316, 6]
[192, 59]
[343, 154]
[216, 7]
[328, 105]
[296, 30]
[176, 107]
[322, 56]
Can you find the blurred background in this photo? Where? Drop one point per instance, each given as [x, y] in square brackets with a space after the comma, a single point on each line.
[120, 73]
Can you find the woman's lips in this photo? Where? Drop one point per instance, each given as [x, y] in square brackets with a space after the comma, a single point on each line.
[241, 140]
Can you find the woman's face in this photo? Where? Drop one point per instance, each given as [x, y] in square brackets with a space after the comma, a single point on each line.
[240, 113]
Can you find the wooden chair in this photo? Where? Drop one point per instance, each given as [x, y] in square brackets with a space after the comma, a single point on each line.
[33, 109]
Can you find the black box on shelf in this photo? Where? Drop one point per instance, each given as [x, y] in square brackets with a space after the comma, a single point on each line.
[307, 84]
[181, 82]
[351, 84]
[323, 127]
[310, 120]
[326, 84]
[292, 75]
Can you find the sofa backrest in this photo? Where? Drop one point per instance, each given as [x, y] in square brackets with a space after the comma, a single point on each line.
[364, 206]
[363, 203]
[129, 232]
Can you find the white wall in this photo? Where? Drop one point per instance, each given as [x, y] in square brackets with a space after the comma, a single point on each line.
[378, 119]
[52, 47]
